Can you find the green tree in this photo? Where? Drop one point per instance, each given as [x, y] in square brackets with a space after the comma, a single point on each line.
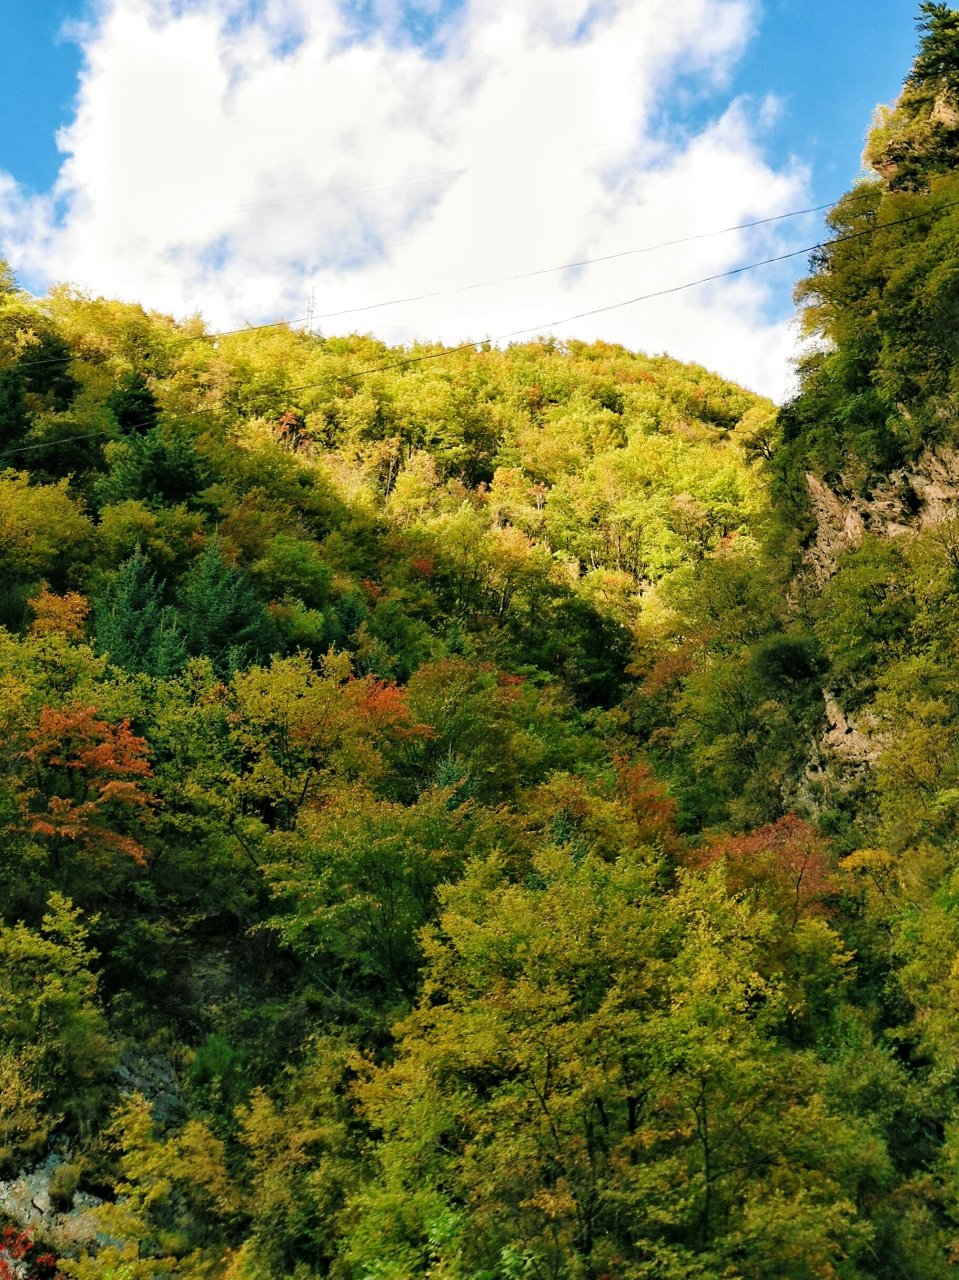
[134, 628]
[221, 617]
[595, 1082]
[53, 1030]
[14, 416]
[44, 533]
[161, 466]
[134, 405]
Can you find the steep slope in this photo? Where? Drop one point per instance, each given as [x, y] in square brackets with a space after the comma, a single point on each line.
[492, 813]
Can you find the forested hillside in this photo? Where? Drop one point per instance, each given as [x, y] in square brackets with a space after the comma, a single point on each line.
[481, 814]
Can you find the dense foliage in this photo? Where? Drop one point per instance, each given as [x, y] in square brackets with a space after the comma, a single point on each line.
[422, 852]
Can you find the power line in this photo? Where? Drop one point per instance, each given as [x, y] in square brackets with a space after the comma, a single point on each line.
[133, 426]
[612, 306]
[644, 297]
[184, 340]
[52, 444]
[482, 284]
[583, 262]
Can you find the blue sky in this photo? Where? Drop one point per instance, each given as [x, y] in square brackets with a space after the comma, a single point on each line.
[828, 60]
[223, 158]
[831, 62]
[38, 81]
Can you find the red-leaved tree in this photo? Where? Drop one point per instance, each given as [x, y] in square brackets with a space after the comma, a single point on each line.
[788, 858]
[85, 781]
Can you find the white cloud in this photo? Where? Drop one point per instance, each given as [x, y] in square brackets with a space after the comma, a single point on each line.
[227, 157]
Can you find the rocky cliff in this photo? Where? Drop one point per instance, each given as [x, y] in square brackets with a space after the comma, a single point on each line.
[920, 496]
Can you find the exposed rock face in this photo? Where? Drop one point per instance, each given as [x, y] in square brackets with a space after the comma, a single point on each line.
[945, 112]
[155, 1077]
[921, 496]
[906, 146]
[845, 740]
[841, 754]
[916, 497]
[31, 1199]
[26, 1201]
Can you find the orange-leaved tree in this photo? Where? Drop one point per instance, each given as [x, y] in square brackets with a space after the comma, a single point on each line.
[788, 859]
[54, 614]
[86, 783]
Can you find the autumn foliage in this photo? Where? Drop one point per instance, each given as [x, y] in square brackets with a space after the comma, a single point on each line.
[53, 614]
[787, 858]
[432, 787]
[22, 1259]
[383, 706]
[87, 782]
[653, 808]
